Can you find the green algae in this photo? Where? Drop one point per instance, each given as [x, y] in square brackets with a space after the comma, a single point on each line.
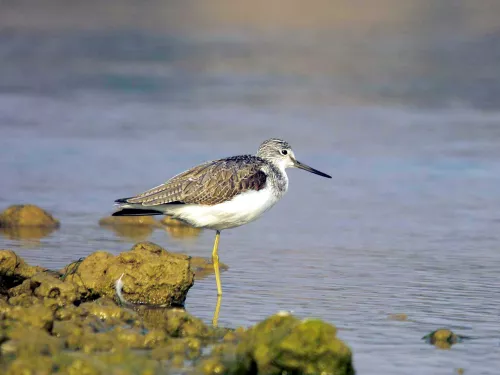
[282, 343]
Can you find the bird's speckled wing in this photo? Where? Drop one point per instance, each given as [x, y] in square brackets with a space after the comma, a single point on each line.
[208, 184]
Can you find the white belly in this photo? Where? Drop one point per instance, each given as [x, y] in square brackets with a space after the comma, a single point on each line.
[242, 209]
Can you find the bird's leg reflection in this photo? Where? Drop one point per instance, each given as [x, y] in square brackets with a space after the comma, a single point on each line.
[216, 312]
[215, 261]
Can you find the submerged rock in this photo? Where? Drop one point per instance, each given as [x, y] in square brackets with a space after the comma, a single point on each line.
[443, 338]
[27, 215]
[401, 317]
[284, 344]
[151, 275]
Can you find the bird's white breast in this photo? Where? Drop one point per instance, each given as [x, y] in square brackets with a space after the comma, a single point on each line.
[240, 210]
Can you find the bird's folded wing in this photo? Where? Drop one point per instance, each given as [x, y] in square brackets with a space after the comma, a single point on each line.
[207, 184]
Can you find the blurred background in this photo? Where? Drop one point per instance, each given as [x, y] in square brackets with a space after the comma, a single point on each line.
[398, 100]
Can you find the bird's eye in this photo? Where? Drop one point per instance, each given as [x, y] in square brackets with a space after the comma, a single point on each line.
[284, 152]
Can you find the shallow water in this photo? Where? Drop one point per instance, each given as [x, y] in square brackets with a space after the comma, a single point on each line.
[404, 115]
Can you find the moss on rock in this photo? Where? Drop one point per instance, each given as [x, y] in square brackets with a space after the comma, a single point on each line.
[175, 322]
[151, 275]
[282, 343]
[37, 315]
[27, 215]
[14, 269]
[443, 338]
[27, 340]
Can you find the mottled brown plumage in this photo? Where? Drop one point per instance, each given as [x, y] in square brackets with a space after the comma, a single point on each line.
[208, 184]
[221, 194]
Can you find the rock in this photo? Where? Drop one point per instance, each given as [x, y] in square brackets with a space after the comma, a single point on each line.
[45, 285]
[282, 343]
[55, 323]
[175, 322]
[151, 275]
[399, 317]
[14, 270]
[443, 338]
[26, 340]
[212, 366]
[27, 215]
[123, 362]
[34, 365]
[106, 310]
[186, 348]
[37, 315]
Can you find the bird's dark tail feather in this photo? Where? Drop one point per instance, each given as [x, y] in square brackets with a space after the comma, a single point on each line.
[136, 212]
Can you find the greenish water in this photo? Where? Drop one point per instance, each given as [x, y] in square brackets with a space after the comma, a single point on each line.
[405, 120]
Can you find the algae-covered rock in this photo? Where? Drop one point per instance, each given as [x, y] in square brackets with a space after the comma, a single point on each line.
[175, 322]
[106, 309]
[31, 365]
[151, 275]
[212, 366]
[46, 285]
[118, 362]
[282, 343]
[13, 266]
[27, 215]
[401, 317]
[45, 288]
[27, 340]
[186, 348]
[37, 315]
[443, 338]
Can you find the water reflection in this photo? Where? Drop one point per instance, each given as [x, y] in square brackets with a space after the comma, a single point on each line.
[133, 232]
[135, 228]
[27, 235]
[179, 230]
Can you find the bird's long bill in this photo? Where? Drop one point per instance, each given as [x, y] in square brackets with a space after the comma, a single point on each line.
[298, 164]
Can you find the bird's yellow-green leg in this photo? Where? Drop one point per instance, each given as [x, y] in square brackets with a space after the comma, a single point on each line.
[215, 261]
[216, 312]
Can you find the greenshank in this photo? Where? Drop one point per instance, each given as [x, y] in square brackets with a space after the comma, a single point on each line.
[221, 194]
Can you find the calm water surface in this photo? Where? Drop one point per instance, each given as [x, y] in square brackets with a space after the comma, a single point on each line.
[408, 127]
